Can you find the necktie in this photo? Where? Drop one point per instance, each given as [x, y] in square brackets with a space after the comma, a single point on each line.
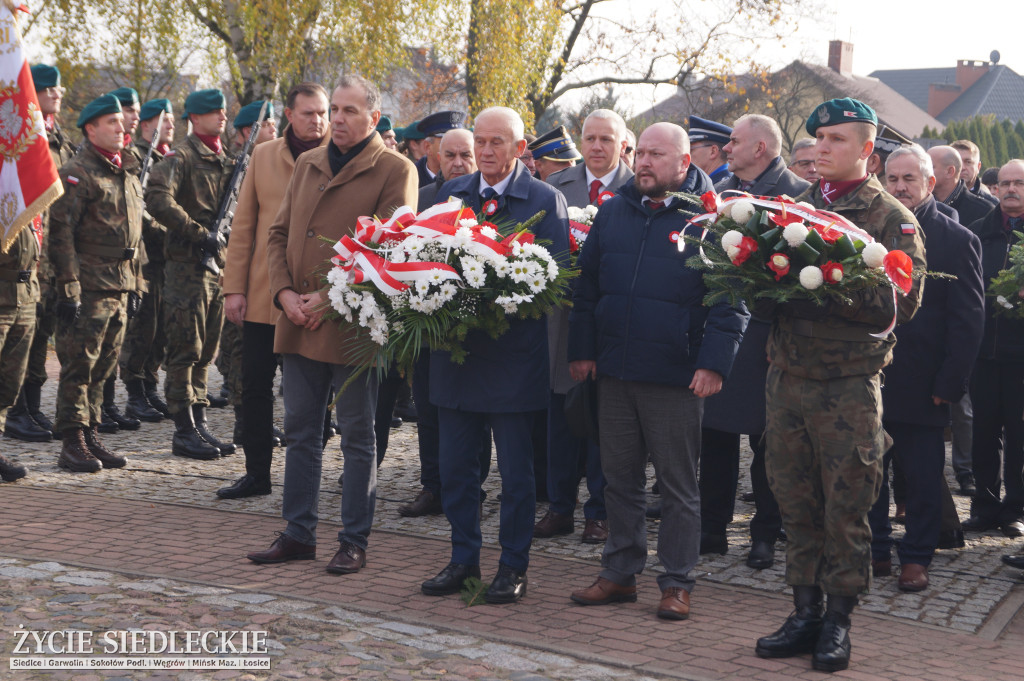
[1016, 223]
[595, 190]
[488, 193]
[655, 205]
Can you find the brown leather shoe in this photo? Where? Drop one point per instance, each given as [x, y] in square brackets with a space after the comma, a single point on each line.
[108, 458]
[282, 550]
[349, 558]
[881, 568]
[675, 604]
[75, 455]
[913, 577]
[604, 591]
[425, 503]
[595, 532]
[553, 524]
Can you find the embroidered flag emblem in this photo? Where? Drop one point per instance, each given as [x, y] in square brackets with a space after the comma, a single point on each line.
[72, 179]
[907, 227]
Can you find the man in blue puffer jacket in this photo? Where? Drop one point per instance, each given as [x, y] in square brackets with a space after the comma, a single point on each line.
[639, 326]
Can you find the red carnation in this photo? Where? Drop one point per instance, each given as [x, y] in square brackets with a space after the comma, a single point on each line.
[779, 264]
[832, 272]
[710, 201]
[746, 246]
[898, 267]
[573, 244]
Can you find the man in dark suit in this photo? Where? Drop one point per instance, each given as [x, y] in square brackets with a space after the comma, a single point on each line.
[996, 394]
[930, 370]
[502, 382]
[603, 172]
[753, 152]
[433, 128]
[456, 153]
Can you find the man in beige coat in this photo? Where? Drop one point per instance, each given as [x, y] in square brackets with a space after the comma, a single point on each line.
[353, 175]
[247, 302]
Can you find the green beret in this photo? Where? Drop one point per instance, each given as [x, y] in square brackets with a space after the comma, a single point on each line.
[836, 111]
[413, 132]
[44, 76]
[204, 101]
[384, 124]
[248, 114]
[126, 95]
[153, 107]
[104, 104]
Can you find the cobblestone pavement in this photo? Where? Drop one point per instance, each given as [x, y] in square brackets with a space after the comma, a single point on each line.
[971, 592]
[305, 640]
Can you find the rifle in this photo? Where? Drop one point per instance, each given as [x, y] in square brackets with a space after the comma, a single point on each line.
[147, 164]
[222, 225]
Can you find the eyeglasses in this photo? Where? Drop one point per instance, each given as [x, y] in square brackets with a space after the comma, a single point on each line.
[801, 164]
[1006, 184]
[701, 146]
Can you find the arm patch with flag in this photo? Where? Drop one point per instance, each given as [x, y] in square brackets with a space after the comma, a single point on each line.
[28, 181]
[908, 227]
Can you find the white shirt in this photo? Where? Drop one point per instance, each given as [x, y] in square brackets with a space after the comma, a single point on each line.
[605, 181]
[500, 187]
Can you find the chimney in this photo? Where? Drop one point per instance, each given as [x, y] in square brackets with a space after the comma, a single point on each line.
[840, 57]
[941, 95]
[969, 71]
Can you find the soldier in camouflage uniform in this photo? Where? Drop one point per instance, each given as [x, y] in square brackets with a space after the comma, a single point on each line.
[131, 158]
[184, 194]
[95, 239]
[143, 350]
[26, 421]
[824, 429]
[19, 293]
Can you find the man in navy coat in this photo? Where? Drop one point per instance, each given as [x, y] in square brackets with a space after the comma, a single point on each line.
[502, 383]
[930, 370]
[639, 325]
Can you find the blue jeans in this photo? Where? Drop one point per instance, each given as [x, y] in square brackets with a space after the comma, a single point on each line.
[307, 383]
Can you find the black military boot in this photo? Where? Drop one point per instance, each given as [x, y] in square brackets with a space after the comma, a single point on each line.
[138, 406]
[217, 401]
[21, 425]
[108, 458]
[199, 414]
[832, 654]
[75, 455]
[801, 630]
[188, 442]
[153, 397]
[238, 436]
[11, 471]
[111, 411]
[33, 401]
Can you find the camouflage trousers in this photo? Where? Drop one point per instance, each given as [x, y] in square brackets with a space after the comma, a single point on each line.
[145, 340]
[229, 362]
[193, 319]
[46, 326]
[87, 350]
[824, 462]
[17, 327]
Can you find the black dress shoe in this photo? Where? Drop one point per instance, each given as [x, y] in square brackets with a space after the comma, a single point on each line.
[977, 523]
[425, 503]
[1013, 529]
[747, 497]
[967, 486]
[1015, 561]
[509, 585]
[216, 401]
[396, 422]
[284, 549]
[952, 539]
[450, 579]
[762, 555]
[246, 486]
[654, 510]
[713, 543]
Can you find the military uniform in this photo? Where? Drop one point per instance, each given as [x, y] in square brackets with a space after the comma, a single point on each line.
[229, 362]
[824, 432]
[19, 293]
[96, 232]
[145, 340]
[184, 194]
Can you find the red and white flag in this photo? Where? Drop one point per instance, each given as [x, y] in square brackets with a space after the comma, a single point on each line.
[28, 180]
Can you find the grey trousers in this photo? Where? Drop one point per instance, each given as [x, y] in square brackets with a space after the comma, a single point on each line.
[306, 386]
[662, 421]
[963, 420]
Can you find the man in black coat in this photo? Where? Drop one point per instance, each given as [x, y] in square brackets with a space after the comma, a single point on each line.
[998, 375]
[930, 370]
[951, 190]
[753, 153]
